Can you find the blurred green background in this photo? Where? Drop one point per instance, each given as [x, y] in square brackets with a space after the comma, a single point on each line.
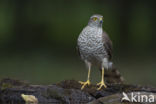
[38, 39]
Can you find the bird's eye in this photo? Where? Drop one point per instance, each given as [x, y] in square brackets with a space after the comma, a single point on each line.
[94, 18]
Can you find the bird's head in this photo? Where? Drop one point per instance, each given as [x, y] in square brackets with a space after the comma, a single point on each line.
[96, 20]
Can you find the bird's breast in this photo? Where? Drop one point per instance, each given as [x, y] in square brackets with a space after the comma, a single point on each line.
[90, 44]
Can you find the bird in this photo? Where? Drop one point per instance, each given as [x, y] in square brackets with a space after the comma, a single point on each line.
[95, 48]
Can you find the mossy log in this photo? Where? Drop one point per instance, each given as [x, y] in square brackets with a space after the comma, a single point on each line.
[66, 92]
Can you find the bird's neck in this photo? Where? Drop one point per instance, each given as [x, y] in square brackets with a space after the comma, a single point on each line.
[95, 25]
[97, 28]
[94, 29]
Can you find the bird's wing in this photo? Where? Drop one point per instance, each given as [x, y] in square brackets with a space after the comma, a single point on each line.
[107, 44]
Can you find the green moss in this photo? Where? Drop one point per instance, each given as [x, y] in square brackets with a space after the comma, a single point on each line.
[9, 83]
[6, 85]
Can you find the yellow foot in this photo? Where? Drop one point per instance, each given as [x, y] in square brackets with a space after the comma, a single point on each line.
[84, 84]
[101, 84]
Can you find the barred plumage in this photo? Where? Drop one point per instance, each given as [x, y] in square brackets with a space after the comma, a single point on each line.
[95, 48]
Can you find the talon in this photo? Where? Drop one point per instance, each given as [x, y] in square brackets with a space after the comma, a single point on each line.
[98, 83]
[101, 84]
[84, 84]
[81, 82]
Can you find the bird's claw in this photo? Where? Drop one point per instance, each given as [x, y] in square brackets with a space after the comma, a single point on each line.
[101, 84]
[84, 84]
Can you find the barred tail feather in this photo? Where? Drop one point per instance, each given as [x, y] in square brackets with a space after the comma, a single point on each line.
[113, 75]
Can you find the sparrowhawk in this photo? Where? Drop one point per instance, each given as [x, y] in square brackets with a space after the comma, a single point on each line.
[95, 48]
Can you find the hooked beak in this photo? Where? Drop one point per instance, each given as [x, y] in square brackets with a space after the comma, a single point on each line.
[101, 20]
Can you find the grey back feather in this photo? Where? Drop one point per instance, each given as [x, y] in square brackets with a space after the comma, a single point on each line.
[107, 44]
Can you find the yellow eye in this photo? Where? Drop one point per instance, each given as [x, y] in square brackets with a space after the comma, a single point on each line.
[94, 18]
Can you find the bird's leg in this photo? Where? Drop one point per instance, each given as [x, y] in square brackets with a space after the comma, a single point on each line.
[87, 82]
[102, 83]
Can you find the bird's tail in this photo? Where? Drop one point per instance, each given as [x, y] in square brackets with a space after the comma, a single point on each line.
[113, 75]
[110, 65]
